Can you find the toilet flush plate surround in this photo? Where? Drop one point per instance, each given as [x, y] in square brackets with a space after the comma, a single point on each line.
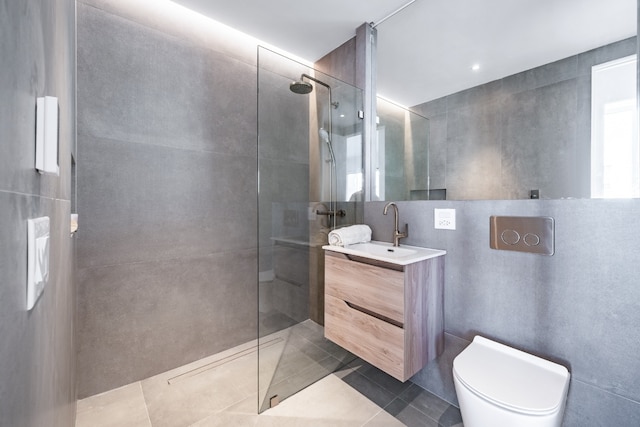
[533, 234]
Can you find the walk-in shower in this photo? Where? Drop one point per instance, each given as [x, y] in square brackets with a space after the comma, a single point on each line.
[309, 166]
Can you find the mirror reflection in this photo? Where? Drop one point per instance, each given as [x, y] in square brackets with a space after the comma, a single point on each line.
[400, 154]
[560, 129]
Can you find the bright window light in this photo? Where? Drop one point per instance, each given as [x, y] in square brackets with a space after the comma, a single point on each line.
[615, 153]
[354, 168]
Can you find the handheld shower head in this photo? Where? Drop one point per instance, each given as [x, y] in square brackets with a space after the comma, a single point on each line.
[323, 134]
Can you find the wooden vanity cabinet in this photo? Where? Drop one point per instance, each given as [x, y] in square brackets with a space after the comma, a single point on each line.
[387, 314]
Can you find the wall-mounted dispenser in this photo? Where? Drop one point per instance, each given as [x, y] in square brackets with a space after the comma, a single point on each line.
[37, 258]
[47, 135]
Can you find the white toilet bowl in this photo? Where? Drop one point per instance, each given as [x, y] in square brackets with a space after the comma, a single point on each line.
[499, 386]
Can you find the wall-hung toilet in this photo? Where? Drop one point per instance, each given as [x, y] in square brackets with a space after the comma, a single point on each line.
[499, 386]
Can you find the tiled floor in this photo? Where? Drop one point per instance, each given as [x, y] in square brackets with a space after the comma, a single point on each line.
[221, 391]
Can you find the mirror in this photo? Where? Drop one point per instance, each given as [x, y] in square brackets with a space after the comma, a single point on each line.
[520, 126]
[400, 154]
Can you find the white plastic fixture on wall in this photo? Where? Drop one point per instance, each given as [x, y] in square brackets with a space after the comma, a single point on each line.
[47, 135]
[37, 258]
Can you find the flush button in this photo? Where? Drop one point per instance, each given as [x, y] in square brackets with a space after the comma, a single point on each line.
[534, 234]
[510, 237]
[531, 239]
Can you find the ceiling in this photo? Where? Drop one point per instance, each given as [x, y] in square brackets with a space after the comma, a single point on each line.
[427, 50]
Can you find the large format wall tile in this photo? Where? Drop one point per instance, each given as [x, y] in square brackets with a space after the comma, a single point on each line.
[161, 90]
[142, 202]
[591, 406]
[545, 75]
[277, 106]
[178, 21]
[137, 320]
[33, 71]
[281, 183]
[167, 181]
[37, 354]
[538, 140]
[43, 337]
[473, 149]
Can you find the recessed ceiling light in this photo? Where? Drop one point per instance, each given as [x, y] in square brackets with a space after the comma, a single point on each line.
[475, 67]
[341, 115]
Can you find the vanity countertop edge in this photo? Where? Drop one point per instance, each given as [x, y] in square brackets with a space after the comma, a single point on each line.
[420, 254]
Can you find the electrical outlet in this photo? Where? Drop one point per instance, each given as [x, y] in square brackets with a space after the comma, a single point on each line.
[444, 219]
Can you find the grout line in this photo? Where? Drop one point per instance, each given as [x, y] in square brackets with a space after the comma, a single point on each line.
[19, 193]
[420, 411]
[374, 415]
[171, 259]
[588, 384]
[146, 407]
[93, 137]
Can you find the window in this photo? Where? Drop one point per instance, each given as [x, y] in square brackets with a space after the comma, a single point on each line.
[615, 154]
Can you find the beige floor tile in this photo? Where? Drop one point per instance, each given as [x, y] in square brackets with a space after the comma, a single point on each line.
[181, 397]
[122, 407]
[302, 421]
[329, 402]
[227, 419]
[247, 406]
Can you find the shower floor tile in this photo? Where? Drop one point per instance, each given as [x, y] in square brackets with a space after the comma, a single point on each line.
[124, 406]
[220, 390]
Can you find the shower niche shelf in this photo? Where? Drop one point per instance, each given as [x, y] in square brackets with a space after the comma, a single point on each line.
[390, 315]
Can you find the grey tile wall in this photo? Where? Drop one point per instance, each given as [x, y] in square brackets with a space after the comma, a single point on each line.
[160, 90]
[478, 135]
[577, 307]
[167, 182]
[184, 24]
[141, 316]
[38, 354]
[340, 62]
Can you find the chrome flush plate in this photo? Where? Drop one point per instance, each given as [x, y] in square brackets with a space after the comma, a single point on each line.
[533, 234]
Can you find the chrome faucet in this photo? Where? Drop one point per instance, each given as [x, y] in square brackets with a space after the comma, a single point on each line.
[397, 235]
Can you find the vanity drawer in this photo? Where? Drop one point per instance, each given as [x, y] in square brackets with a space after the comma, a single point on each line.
[374, 288]
[374, 340]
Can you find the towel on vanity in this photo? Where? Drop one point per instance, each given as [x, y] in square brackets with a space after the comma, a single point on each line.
[350, 235]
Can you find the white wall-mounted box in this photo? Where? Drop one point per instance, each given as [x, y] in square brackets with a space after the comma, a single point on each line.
[444, 219]
[47, 135]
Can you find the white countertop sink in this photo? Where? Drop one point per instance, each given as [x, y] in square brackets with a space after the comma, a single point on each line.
[383, 251]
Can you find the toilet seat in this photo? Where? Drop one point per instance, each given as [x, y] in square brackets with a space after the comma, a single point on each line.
[510, 378]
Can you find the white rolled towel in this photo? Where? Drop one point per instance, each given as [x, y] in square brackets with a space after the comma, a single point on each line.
[349, 235]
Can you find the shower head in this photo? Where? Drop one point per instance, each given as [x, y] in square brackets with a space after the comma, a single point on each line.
[301, 87]
[323, 134]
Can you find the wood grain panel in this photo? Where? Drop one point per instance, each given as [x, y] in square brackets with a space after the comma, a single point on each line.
[378, 342]
[424, 313]
[375, 288]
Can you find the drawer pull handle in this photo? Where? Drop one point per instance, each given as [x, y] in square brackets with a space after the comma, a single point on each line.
[375, 263]
[374, 314]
